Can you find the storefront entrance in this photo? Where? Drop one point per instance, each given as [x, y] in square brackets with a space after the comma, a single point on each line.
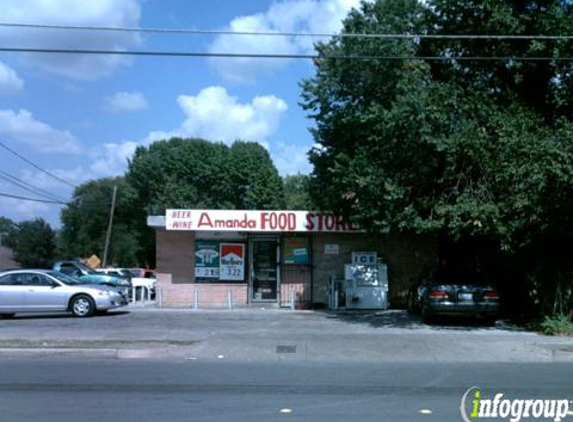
[264, 269]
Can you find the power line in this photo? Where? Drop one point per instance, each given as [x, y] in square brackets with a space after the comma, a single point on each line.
[280, 56]
[23, 198]
[28, 187]
[190, 31]
[21, 157]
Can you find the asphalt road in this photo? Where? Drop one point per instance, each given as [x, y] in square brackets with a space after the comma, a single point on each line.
[194, 390]
[253, 336]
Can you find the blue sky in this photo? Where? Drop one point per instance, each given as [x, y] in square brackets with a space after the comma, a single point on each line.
[80, 117]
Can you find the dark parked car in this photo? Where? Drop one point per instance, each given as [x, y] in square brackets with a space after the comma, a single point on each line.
[454, 292]
[87, 274]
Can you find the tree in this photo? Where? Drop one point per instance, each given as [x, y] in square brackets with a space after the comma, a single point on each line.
[255, 181]
[85, 220]
[543, 86]
[195, 173]
[181, 173]
[34, 244]
[297, 195]
[458, 149]
[7, 230]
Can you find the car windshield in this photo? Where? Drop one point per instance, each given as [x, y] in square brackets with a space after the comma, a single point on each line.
[65, 278]
[86, 268]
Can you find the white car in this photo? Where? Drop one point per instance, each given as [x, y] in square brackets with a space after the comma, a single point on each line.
[52, 291]
[137, 282]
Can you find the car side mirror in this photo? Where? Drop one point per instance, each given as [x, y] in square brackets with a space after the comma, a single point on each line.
[54, 285]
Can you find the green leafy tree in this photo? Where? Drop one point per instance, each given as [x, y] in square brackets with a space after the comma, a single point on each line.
[85, 221]
[297, 194]
[7, 230]
[181, 173]
[195, 173]
[543, 86]
[34, 244]
[470, 152]
[254, 180]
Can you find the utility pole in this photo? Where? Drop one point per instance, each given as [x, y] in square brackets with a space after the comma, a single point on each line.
[109, 226]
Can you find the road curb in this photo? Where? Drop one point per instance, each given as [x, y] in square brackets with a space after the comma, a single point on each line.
[58, 353]
[93, 353]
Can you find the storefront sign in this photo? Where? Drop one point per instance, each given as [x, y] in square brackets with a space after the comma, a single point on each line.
[256, 221]
[331, 249]
[296, 250]
[206, 259]
[364, 258]
[232, 265]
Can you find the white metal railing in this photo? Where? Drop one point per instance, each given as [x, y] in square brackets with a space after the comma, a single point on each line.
[196, 301]
[335, 286]
[144, 296]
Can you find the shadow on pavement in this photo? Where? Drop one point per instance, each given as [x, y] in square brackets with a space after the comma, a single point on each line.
[48, 315]
[405, 320]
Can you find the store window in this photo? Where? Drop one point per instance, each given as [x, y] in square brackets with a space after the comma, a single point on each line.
[219, 262]
[296, 250]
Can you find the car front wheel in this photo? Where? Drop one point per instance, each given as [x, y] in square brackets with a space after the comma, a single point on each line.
[83, 306]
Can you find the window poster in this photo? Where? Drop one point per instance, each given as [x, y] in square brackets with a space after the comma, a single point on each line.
[296, 250]
[207, 259]
[232, 262]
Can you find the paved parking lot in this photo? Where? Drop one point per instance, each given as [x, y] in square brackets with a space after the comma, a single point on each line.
[270, 334]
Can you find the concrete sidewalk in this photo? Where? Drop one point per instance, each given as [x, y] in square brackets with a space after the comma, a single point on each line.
[273, 335]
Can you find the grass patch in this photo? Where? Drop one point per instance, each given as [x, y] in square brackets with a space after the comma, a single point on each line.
[557, 325]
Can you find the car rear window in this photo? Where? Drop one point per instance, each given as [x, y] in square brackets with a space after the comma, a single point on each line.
[17, 279]
[446, 276]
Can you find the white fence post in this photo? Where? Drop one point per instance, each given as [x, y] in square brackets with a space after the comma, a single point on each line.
[292, 298]
[195, 298]
[336, 295]
[133, 296]
[230, 299]
[159, 294]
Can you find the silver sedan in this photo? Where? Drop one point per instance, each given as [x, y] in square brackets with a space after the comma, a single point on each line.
[52, 291]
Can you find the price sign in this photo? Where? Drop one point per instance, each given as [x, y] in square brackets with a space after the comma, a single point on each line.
[206, 259]
[232, 263]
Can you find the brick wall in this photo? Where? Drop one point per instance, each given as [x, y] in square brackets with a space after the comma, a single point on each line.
[295, 277]
[406, 256]
[175, 254]
[209, 295]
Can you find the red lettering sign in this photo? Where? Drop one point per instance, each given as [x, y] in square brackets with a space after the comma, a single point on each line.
[204, 220]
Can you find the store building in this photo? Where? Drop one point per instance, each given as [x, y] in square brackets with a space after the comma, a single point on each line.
[207, 258]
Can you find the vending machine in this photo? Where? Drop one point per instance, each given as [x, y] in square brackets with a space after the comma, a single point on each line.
[366, 282]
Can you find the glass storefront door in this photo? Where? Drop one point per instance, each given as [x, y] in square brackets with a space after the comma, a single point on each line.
[264, 270]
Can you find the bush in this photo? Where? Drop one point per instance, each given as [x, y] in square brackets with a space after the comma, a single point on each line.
[557, 325]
